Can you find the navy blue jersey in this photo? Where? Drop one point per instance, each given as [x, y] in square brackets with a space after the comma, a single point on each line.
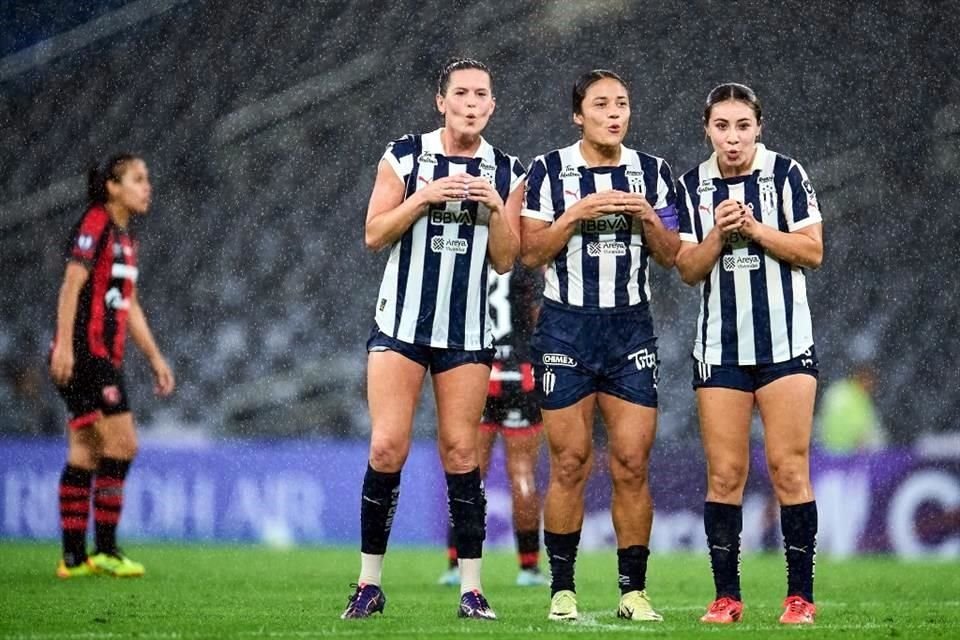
[753, 307]
[434, 287]
[604, 264]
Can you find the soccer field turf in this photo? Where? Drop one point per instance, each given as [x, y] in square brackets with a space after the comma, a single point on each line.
[253, 592]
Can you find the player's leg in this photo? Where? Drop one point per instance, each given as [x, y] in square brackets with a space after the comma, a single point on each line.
[570, 444]
[74, 497]
[394, 380]
[522, 446]
[460, 390]
[786, 406]
[631, 428]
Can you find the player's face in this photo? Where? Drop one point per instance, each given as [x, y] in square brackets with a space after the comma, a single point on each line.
[468, 103]
[733, 130]
[604, 113]
[133, 190]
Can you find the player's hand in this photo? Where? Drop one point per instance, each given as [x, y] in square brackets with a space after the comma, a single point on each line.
[750, 227]
[597, 205]
[163, 377]
[728, 217]
[445, 189]
[482, 191]
[61, 364]
[638, 207]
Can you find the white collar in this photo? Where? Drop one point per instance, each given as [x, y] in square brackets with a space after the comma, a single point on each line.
[433, 143]
[576, 156]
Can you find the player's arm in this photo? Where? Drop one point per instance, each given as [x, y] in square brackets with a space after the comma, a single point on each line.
[662, 242]
[803, 247]
[62, 359]
[142, 337]
[504, 243]
[695, 260]
[541, 241]
[389, 215]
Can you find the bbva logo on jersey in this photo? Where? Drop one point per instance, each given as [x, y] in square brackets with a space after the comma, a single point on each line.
[444, 216]
[606, 224]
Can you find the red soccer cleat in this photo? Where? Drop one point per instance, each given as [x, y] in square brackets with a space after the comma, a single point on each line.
[798, 611]
[723, 610]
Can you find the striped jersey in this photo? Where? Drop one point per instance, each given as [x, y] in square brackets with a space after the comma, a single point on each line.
[604, 264]
[110, 253]
[434, 287]
[753, 307]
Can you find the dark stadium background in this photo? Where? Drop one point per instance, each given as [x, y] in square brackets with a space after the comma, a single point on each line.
[263, 123]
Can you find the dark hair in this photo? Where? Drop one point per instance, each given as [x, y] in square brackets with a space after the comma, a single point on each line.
[583, 83]
[456, 64]
[111, 169]
[732, 91]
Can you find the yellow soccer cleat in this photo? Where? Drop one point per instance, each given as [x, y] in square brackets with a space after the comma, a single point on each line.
[635, 605]
[81, 570]
[563, 606]
[116, 564]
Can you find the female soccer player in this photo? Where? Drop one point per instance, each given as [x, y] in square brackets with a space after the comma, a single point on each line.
[749, 225]
[595, 211]
[513, 411]
[447, 204]
[97, 306]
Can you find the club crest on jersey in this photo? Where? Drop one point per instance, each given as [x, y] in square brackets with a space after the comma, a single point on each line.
[606, 224]
[736, 263]
[608, 248]
[488, 171]
[558, 360]
[634, 178]
[427, 158]
[85, 242]
[570, 171]
[444, 216]
[439, 244]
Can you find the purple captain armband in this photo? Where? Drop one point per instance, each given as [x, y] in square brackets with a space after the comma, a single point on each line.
[669, 218]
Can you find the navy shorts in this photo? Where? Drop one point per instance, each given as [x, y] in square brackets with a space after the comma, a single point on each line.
[96, 389]
[578, 352]
[431, 358]
[749, 378]
[513, 405]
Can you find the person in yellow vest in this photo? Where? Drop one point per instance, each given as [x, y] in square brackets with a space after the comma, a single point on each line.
[849, 422]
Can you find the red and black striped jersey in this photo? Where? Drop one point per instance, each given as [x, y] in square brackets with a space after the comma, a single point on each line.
[110, 253]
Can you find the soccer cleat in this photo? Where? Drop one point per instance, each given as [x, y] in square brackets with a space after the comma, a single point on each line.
[723, 610]
[116, 564]
[635, 605]
[81, 570]
[474, 605]
[798, 611]
[367, 600]
[531, 578]
[563, 606]
[450, 577]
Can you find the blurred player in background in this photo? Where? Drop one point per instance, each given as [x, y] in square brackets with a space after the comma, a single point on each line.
[97, 307]
[595, 212]
[513, 410]
[750, 224]
[447, 205]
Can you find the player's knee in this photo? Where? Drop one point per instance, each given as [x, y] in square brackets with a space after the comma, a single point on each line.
[726, 481]
[387, 455]
[570, 469]
[459, 458]
[629, 469]
[790, 479]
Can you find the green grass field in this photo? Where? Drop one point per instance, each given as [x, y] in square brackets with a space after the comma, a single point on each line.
[252, 592]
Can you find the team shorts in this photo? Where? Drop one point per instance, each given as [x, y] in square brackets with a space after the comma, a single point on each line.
[96, 389]
[513, 407]
[431, 358]
[582, 351]
[749, 378]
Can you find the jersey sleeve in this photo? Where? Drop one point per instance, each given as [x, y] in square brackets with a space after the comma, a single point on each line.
[399, 155]
[685, 213]
[87, 238]
[800, 200]
[517, 173]
[538, 203]
[666, 206]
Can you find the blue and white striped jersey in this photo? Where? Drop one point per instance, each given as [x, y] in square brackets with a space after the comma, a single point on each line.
[753, 307]
[604, 265]
[434, 287]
